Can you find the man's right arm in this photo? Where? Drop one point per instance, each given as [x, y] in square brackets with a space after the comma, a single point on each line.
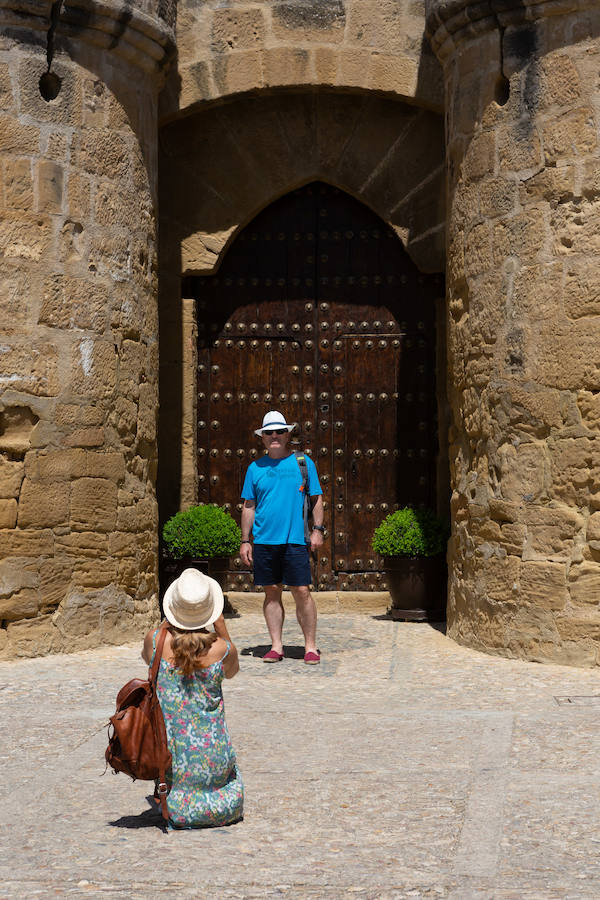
[248, 513]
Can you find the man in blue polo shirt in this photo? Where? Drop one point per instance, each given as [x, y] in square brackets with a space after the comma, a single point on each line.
[273, 496]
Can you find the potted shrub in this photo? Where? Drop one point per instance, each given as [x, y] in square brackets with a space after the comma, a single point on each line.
[202, 537]
[412, 542]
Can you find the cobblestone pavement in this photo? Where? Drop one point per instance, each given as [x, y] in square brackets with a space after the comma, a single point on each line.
[404, 766]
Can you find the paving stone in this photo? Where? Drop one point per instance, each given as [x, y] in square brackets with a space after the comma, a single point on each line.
[404, 766]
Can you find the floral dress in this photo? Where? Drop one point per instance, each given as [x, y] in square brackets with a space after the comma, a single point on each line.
[206, 785]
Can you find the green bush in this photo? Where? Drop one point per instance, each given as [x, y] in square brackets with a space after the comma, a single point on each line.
[411, 532]
[201, 532]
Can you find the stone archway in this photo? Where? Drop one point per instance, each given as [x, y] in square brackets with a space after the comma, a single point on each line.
[218, 169]
[317, 310]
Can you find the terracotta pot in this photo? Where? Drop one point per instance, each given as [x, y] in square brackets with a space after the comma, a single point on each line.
[418, 587]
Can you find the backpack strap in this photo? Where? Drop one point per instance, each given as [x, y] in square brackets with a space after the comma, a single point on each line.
[158, 723]
[301, 460]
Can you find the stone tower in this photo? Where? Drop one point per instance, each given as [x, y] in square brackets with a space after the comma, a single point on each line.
[103, 126]
[523, 231]
[79, 356]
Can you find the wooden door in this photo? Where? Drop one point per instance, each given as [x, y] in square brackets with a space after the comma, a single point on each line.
[318, 311]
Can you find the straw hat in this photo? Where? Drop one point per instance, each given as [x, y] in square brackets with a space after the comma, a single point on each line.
[273, 421]
[193, 600]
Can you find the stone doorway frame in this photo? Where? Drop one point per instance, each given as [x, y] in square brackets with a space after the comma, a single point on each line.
[387, 154]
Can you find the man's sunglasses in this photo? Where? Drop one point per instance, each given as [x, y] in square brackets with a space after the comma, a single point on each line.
[277, 431]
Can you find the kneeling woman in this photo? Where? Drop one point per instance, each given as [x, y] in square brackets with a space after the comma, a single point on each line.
[206, 786]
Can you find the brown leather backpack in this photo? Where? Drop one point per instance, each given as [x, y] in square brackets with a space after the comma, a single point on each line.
[138, 743]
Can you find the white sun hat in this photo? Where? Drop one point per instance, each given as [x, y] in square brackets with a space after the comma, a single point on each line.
[272, 421]
[193, 600]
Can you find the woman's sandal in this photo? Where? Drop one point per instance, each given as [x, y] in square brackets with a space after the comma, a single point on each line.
[272, 656]
[311, 658]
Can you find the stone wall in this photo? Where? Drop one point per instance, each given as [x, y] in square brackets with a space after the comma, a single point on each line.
[523, 114]
[79, 352]
[231, 48]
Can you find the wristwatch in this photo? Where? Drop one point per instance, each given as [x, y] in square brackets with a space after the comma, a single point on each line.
[320, 528]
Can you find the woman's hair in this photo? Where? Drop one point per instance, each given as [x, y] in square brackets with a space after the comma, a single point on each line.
[188, 647]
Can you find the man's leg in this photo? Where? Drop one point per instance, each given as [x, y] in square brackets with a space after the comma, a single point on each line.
[274, 615]
[306, 613]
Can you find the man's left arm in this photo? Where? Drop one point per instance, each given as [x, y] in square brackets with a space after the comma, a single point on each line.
[316, 537]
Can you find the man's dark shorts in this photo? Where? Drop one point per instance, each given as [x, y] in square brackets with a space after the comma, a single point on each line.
[281, 564]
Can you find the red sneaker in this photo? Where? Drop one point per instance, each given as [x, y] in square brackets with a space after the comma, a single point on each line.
[311, 658]
[272, 656]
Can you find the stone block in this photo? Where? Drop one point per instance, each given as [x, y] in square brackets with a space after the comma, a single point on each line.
[523, 472]
[32, 369]
[544, 584]
[55, 579]
[555, 184]
[95, 374]
[352, 65]
[322, 22]
[86, 437]
[550, 532]
[147, 413]
[286, 65]
[497, 197]
[65, 109]
[106, 614]
[104, 153]
[30, 637]
[523, 236]
[237, 29]
[560, 84]
[18, 183]
[498, 578]
[74, 303]
[478, 250]
[23, 604]
[580, 630]
[15, 542]
[243, 71]
[571, 461]
[50, 181]
[53, 465]
[110, 255]
[567, 357]
[535, 287]
[94, 573]
[79, 197]
[18, 286]
[24, 237]
[479, 157]
[582, 292]
[393, 73]
[57, 147]
[121, 544]
[326, 65]
[18, 138]
[17, 573]
[43, 505]
[109, 465]
[570, 135]
[519, 148]
[11, 477]
[93, 504]
[7, 100]
[584, 582]
[8, 513]
[142, 516]
[122, 208]
[82, 545]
